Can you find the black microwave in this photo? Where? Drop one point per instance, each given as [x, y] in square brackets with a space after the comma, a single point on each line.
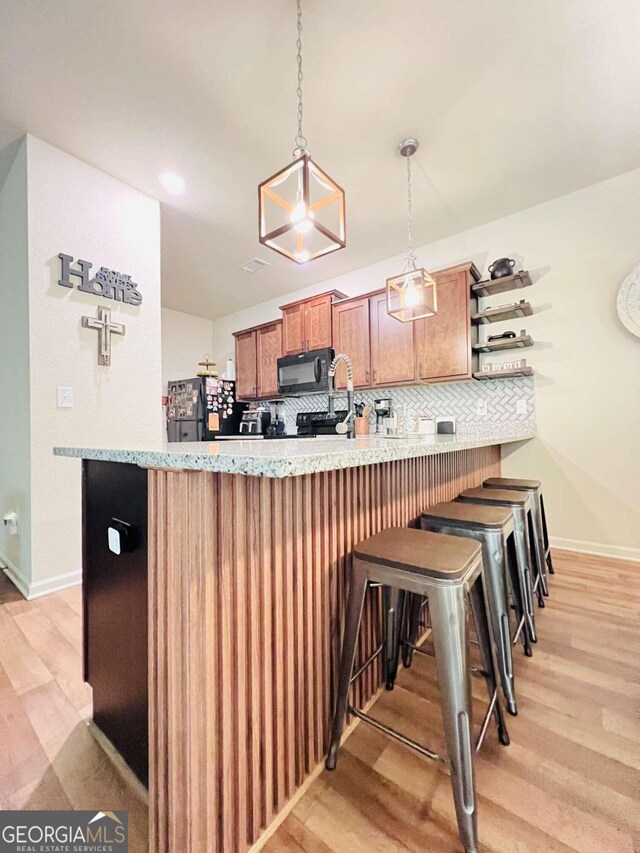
[305, 373]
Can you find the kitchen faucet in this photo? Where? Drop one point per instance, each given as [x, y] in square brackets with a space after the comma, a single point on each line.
[348, 425]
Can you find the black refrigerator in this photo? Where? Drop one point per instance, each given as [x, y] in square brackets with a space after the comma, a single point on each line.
[202, 408]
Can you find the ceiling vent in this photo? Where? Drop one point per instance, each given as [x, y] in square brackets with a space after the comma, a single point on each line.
[254, 265]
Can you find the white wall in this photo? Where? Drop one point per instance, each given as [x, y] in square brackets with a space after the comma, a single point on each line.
[185, 340]
[14, 361]
[579, 248]
[77, 209]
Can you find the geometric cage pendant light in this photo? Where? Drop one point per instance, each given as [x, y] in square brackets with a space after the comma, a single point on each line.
[301, 210]
[411, 295]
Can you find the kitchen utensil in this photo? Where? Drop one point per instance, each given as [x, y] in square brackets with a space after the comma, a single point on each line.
[362, 426]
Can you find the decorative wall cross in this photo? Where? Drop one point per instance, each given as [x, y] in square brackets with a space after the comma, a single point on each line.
[105, 329]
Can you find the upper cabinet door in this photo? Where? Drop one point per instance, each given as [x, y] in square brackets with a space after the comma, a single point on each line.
[269, 348]
[351, 336]
[246, 365]
[318, 323]
[293, 330]
[392, 346]
[444, 340]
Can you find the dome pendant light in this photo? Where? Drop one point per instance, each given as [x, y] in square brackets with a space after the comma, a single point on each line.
[301, 210]
[411, 295]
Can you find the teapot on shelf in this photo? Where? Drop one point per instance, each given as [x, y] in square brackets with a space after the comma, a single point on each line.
[502, 267]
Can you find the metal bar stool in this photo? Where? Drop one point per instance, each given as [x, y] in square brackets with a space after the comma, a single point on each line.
[520, 504]
[446, 570]
[534, 487]
[492, 526]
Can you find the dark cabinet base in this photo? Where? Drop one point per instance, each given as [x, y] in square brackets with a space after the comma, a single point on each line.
[115, 608]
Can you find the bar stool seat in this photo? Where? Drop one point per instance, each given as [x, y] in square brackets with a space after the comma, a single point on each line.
[534, 487]
[407, 548]
[447, 570]
[512, 483]
[507, 497]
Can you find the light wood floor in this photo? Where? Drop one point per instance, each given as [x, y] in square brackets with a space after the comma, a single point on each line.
[570, 781]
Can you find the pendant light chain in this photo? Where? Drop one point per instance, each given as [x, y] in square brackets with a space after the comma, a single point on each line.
[301, 139]
[411, 255]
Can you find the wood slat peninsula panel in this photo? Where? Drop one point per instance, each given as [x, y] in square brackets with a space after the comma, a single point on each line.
[247, 588]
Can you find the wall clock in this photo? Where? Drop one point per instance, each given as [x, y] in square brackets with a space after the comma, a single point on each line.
[628, 303]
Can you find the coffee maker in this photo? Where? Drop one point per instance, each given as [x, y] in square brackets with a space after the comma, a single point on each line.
[385, 420]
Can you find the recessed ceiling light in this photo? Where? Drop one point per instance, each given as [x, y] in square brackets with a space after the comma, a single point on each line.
[171, 182]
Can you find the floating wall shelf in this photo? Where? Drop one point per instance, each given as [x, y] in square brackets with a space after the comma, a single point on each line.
[499, 285]
[504, 344]
[508, 312]
[505, 374]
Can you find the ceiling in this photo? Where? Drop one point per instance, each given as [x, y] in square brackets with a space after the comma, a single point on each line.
[514, 102]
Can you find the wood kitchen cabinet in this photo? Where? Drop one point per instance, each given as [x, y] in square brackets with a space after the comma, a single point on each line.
[246, 365]
[444, 341]
[268, 351]
[351, 335]
[257, 352]
[392, 345]
[307, 324]
[383, 351]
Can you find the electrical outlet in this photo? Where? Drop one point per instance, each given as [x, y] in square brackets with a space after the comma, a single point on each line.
[65, 398]
[481, 408]
[521, 407]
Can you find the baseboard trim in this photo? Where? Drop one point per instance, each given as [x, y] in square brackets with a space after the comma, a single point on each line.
[36, 589]
[598, 549]
[15, 576]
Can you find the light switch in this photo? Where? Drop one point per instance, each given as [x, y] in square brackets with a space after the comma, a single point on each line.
[65, 398]
[521, 407]
[481, 408]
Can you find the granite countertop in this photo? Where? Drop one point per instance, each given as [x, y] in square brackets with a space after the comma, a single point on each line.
[290, 458]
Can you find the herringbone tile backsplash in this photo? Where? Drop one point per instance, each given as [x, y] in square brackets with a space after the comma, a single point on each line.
[458, 399]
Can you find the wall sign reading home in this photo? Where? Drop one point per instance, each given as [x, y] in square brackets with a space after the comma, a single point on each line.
[108, 283]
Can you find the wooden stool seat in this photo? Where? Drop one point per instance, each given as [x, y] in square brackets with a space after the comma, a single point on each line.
[512, 483]
[489, 496]
[428, 554]
[476, 514]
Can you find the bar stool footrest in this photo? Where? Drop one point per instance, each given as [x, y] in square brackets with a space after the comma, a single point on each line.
[367, 663]
[418, 747]
[485, 722]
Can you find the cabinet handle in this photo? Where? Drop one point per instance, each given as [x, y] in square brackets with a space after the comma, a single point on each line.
[366, 376]
[420, 370]
[375, 375]
[307, 343]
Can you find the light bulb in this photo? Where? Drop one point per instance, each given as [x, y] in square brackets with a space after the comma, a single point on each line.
[411, 296]
[301, 217]
[303, 256]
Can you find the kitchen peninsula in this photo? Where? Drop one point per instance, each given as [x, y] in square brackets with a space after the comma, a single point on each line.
[217, 572]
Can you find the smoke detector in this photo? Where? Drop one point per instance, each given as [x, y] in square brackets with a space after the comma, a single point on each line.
[254, 265]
